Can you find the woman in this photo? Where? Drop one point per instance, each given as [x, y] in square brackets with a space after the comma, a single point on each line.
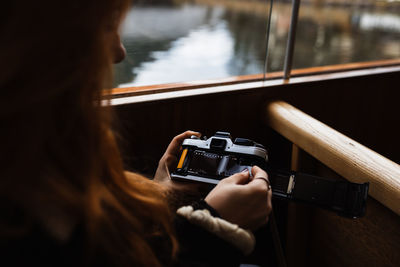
[65, 198]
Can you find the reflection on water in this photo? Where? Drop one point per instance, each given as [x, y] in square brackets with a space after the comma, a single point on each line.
[190, 57]
[199, 41]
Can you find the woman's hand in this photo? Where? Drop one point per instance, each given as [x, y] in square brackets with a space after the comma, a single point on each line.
[243, 200]
[169, 161]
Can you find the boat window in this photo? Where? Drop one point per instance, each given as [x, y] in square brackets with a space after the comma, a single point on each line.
[179, 41]
[333, 32]
[182, 41]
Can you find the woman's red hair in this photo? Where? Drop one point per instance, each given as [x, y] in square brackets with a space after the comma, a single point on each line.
[58, 151]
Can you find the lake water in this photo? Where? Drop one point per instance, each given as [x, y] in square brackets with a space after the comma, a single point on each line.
[223, 38]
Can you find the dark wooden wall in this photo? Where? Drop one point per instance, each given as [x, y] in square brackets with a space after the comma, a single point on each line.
[364, 108]
[320, 238]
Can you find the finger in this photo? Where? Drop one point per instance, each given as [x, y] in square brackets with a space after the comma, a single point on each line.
[258, 172]
[265, 180]
[185, 135]
[260, 184]
[176, 142]
[239, 178]
[259, 176]
[170, 160]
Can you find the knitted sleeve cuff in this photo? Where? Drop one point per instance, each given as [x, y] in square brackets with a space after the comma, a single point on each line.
[242, 239]
[203, 205]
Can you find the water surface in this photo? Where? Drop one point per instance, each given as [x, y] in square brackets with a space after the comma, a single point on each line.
[187, 42]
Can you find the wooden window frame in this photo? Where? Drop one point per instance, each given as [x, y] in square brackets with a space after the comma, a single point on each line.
[130, 95]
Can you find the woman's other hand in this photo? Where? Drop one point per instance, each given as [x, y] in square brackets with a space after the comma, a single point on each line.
[243, 200]
[169, 161]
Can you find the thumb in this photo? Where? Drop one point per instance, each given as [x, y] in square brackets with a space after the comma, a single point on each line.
[239, 178]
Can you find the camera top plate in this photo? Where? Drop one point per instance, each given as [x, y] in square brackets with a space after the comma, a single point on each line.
[222, 142]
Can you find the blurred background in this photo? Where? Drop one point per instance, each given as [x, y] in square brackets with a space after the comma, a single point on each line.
[189, 40]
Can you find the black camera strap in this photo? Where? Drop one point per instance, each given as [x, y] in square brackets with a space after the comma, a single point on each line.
[346, 198]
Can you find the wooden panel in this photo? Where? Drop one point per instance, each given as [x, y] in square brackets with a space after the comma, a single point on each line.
[322, 238]
[350, 159]
[373, 240]
[299, 219]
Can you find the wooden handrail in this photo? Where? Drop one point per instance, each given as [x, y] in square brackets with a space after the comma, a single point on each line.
[345, 156]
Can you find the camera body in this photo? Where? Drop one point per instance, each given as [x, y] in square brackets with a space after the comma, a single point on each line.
[210, 160]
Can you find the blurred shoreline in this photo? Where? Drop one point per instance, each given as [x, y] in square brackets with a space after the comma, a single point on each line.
[257, 3]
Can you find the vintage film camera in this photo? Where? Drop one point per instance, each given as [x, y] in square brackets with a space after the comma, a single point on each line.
[210, 160]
